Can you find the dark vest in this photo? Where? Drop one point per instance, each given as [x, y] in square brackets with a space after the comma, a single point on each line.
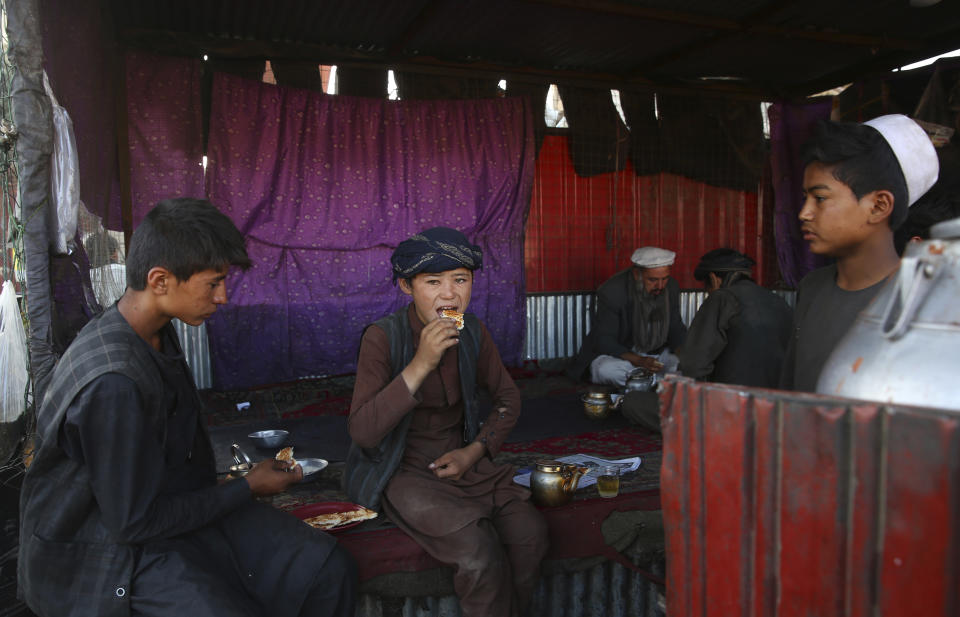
[61, 524]
[756, 339]
[368, 470]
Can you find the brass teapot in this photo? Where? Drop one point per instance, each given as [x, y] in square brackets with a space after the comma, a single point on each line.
[553, 483]
[597, 405]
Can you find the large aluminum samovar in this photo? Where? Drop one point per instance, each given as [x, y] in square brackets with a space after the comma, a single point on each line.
[905, 346]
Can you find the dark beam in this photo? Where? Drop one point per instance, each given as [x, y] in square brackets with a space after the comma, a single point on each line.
[755, 23]
[180, 44]
[878, 67]
[424, 17]
[731, 25]
[718, 36]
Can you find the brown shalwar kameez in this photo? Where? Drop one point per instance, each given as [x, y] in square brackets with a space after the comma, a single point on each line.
[482, 524]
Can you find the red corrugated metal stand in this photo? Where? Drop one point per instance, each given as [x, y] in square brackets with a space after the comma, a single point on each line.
[783, 504]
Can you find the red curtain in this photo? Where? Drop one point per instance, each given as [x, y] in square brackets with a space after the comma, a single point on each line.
[580, 231]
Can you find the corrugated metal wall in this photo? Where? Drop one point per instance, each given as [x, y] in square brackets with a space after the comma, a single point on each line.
[557, 323]
[605, 590]
[196, 348]
[556, 326]
[581, 230]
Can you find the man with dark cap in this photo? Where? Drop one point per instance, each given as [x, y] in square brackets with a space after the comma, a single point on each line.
[637, 324]
[420, 448]
[741, 331]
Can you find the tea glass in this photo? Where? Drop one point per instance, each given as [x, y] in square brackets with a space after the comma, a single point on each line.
[608, 481]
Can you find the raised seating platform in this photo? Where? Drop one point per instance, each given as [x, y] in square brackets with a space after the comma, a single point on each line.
[606, 555]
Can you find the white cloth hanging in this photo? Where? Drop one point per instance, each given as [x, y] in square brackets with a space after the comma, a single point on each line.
[13, 357]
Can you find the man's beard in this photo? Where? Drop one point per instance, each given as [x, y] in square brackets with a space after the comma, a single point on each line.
[651, 315]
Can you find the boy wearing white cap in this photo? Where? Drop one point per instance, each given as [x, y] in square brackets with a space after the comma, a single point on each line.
[859, 181]
[637, 322]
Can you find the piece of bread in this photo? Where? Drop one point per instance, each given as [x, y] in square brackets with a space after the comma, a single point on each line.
[336, 519]
[286, 454]
[454, 315]
[363, 514]
[325, 521]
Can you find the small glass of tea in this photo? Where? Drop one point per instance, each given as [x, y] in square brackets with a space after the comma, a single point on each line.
[608, 481]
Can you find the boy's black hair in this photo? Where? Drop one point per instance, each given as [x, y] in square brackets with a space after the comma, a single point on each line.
[862, 159]
[185, 236]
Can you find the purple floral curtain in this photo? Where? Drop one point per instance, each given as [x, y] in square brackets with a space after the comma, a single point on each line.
[164, 124]
[324, 187]
[790, 126]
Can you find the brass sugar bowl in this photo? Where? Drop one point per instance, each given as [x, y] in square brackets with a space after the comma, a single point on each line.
[553, 483]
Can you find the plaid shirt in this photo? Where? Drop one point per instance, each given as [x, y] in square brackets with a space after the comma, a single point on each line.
[68, 562]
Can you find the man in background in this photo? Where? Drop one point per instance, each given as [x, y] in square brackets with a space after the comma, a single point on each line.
[740, 333]
[637, 322]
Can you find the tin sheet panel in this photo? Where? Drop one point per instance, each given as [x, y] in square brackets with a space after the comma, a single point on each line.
[196, 349]
[604, 590]
[782, 503]
[558, 323]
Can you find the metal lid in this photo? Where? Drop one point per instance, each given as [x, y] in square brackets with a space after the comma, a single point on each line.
[598, 395]
[549, 466]
[946, 229]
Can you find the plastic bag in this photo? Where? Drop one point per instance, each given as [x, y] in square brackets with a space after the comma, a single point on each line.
[13, 357]
[64, 177]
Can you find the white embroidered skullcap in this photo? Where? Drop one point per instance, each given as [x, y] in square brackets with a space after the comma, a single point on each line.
[914, 151]
[652, 257]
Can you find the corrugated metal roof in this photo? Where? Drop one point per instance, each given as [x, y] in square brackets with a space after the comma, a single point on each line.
[774, 46]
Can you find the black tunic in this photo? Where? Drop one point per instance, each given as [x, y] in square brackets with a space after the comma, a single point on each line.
[738, 336]
[147, 530]
[823, 316]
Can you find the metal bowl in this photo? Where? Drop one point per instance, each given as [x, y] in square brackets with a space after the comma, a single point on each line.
[269, 439]
[311, 467]
[597, 405]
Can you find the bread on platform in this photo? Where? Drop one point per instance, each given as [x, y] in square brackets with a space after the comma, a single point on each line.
[336, 519]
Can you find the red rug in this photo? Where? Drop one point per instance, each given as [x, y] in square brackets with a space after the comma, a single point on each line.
[613, 443]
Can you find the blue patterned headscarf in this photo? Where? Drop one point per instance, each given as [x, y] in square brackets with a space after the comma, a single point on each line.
[435, 250]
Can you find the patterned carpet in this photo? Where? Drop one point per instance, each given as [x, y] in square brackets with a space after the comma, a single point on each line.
[304, 398]
[630, 442]
[331, 396]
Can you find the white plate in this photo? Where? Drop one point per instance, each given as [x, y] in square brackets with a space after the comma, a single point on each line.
[311, 466]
